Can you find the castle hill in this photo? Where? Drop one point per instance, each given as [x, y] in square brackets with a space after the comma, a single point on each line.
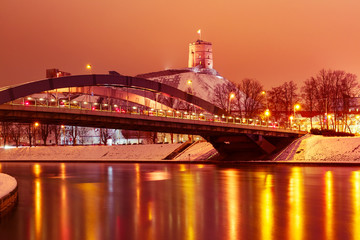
[179, 121]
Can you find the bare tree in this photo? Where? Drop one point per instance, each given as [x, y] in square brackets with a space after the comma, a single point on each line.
[330, 92]
[275, 102]
[44, 132]
[309, 96]
[252, 99]
[5, 131]
[83, 132]
[73, 132]
[56, 129]
[104, 135]
[16, 133]
[31, 131]
[221, 96]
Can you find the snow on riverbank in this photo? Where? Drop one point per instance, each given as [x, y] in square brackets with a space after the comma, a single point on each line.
[330, 149]
[106, 153]
[7, 184]
[311, 148]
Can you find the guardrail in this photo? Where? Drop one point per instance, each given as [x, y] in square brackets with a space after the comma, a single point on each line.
[169, 113]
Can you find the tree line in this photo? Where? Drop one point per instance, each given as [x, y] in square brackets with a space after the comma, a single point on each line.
[329, 95]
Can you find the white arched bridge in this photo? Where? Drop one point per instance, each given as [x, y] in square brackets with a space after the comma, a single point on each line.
[124, 102]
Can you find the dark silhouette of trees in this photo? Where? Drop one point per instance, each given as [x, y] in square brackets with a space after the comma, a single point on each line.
[16, 131]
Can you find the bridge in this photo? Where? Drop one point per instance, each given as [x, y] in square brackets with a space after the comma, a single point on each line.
[134, 104]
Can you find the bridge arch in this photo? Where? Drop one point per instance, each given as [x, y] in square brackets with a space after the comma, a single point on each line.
[12, 93]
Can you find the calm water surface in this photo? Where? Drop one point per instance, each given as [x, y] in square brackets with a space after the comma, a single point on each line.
[179, 201]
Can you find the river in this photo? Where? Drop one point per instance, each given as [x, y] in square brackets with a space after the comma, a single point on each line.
[182, 201]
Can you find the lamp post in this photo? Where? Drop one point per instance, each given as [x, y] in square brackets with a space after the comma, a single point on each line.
[267, 114]
[89, 68]
[231, 96]
[296, 107]
[266, 102]
[36, 124]
[63, 132]
[191, 91]
[291, 119]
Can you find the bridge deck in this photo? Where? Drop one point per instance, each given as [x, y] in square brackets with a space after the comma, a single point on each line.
[138, 121]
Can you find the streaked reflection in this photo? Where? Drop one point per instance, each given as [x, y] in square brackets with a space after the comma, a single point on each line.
[188, 190]
[296, 217]
[0, 168]
[329, 213]
[110, 180]
[356, 204]
[232, 202]
[38, 210]
[91, 208]
[182, 168]
[62, 171]
[137, 198]
[64, 215]
[267, 218]
[37, 170]
[159, 201]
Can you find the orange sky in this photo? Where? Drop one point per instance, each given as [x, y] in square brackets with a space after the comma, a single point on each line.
[273, 41]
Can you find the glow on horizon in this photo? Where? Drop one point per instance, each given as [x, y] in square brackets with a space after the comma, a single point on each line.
[250, 38]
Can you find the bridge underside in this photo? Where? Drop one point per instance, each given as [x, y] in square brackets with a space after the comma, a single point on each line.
[245, 147]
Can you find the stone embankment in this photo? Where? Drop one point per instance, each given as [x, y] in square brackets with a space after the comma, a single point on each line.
[8, 193]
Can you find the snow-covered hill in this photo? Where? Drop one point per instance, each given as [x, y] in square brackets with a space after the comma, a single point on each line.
[203, 81]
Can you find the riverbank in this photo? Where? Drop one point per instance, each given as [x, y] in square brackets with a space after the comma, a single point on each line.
[308, 149]
[314, 148]
[88, 153]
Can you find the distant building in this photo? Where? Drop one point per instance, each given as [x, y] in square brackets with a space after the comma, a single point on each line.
[200, 54]
[54, 73]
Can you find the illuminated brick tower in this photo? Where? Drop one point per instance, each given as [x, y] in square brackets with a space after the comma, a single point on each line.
[200, 54]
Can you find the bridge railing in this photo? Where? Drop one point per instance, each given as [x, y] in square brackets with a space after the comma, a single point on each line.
[170, 113]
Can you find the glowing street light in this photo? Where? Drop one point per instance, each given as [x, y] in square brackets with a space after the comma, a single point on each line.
[231, 96]
[296, 107]
[88, 66]
[266, 102]
[267, 112]
[36, 124]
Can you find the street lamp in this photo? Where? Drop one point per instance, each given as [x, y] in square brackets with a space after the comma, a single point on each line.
[36, 124]
[231, 96]
[296, 107]
[291, 119]
[189, 82]
[63, 132]
[266, 102]
[267, 114]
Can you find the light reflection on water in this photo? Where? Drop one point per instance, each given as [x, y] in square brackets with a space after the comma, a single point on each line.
[171, 201]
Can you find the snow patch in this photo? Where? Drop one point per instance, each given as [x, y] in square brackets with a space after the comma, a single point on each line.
[7, 184]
